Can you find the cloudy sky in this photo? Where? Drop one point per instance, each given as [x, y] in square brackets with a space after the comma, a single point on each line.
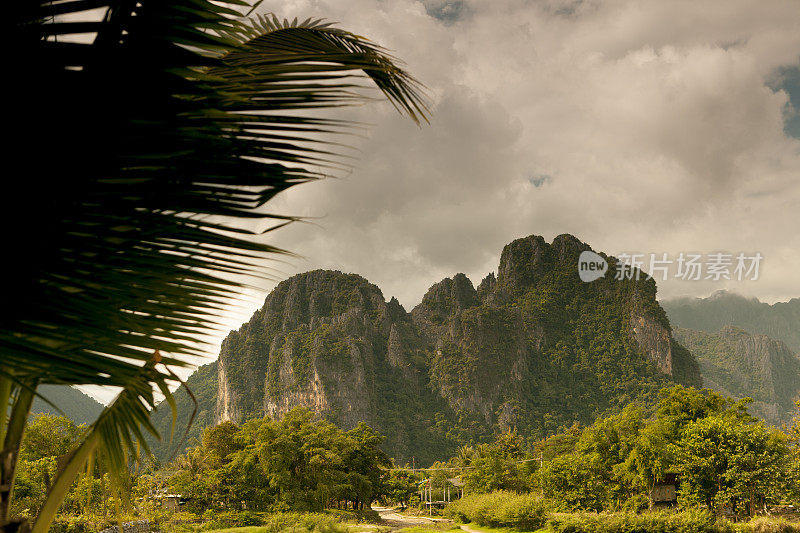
[638, 126]
[649, 127]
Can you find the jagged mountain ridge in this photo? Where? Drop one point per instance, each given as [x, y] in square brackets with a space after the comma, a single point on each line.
[533, 348]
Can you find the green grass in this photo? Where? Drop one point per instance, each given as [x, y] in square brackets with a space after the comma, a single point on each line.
[436, 527]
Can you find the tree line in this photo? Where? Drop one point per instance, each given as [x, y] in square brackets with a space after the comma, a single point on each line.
[724, 459]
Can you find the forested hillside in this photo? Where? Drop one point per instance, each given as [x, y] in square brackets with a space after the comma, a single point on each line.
[203, 387]
[74, 404]
[532, 348]
[739, 364]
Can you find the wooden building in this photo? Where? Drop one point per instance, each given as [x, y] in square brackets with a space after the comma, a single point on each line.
[664, 493]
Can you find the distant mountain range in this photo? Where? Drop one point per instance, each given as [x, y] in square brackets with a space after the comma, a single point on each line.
[780, 321]
[74, 404]
[532, 348]
[745, 348]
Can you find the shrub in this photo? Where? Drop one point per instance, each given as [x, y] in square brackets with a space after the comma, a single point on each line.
[525, 512]
[70, 524]
[229, 519]
[769, 525]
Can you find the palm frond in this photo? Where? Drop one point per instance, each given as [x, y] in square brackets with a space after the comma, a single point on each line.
[137, 150]
[117, 434]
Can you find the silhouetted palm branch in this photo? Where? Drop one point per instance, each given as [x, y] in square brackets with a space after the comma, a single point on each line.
[138, 140]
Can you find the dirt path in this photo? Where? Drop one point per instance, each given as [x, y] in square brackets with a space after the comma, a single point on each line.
[396, 521]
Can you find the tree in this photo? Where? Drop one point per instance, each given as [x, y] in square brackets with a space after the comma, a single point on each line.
[140, 152]
[49, 436]
[295, 463]
[793, 478]
[220, 442]
[501, 465]
[574, 483]
[399, 486]
[729, 461]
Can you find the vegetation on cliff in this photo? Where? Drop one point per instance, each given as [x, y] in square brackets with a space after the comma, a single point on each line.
[540, 349]
[739, 364]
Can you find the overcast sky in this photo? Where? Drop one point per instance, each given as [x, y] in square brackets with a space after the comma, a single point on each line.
[649, 127]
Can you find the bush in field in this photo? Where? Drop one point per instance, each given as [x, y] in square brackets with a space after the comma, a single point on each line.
[769, 525]
[70, 524]
[690, 521]
[525, 512]
[662, 522]
[228, 519]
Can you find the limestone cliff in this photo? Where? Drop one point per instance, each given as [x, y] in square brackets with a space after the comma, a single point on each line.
[532, 348]
[536, 346]
[330, 342]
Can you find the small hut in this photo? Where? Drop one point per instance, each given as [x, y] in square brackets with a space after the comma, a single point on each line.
[458, 486]
[664, 493]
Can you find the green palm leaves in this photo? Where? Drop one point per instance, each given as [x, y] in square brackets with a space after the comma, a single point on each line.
[139, 139]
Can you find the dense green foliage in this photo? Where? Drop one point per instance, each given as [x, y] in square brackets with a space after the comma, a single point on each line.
[527, 512]
[400, 487]
[690, 521]
[295, 463]
[725, 460]
[48, 440]
[523, 512]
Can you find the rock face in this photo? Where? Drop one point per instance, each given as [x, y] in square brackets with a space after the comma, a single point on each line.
[330, 342]
[317, 342]
[532, 348]
[740, 364]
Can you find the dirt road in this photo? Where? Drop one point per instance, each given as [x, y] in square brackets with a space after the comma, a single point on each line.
[395, 520]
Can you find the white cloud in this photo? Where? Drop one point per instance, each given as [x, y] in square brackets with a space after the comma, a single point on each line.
[652, 122]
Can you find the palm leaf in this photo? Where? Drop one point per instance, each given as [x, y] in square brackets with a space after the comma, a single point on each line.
[117, 434]
[141, 148]
[138, 143]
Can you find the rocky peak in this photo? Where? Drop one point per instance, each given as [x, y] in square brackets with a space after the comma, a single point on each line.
[567, 248]
[487, 287]
[450, 295]
[523, 260]
[395, 311]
